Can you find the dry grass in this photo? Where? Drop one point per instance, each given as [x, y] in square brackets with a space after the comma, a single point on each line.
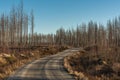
[12, 61]
[87, 64]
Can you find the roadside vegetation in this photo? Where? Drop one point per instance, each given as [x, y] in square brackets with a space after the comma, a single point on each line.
[87, 65]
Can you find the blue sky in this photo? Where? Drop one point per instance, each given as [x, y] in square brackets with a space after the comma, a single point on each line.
[52, 14]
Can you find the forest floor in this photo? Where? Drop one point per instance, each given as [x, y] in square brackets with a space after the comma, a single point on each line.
[89, 65]
[9, 62]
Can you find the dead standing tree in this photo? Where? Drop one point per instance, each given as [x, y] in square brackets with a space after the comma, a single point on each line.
[32, 29]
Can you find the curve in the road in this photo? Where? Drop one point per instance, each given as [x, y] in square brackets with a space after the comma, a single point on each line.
[48, 68]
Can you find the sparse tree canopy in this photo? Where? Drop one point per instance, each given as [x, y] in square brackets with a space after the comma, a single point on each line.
[15, 26]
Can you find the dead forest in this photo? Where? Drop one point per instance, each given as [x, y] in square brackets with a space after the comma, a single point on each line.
[17, 34]
[17, 31]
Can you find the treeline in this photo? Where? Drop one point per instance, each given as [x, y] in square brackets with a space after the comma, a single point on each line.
[91, 34]
[17, 30]
[14, 28]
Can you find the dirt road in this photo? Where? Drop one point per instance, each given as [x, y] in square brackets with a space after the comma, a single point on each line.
[48, 68]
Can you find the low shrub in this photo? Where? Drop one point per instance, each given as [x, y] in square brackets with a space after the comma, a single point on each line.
[100, 66]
